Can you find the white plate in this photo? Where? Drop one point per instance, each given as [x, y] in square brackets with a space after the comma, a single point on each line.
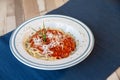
[82, 34]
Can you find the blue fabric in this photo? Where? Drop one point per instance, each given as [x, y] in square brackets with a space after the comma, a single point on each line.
[103, 18]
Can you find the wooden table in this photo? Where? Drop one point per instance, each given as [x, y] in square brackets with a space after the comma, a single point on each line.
[14, 12]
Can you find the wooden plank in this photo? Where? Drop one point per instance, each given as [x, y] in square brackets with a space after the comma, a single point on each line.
[50, 5]
[65, 1]
[118, 72]
[59, 3]
[10, 23]
[10, 7]
[41, 5]
[19, 14]
[10, 17]
[113, 77]
[3, 12]
[30, 8]
[14, 12]
[43, 13]
[53, 4]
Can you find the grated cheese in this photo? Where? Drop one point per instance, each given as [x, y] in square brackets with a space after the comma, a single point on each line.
[55, 40]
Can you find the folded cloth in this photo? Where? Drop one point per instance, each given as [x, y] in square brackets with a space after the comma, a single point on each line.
[103, 18]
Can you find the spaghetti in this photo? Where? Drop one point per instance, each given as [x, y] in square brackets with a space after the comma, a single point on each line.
[50, 44]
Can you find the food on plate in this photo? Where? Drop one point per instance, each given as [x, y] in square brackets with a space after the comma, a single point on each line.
[50, 44]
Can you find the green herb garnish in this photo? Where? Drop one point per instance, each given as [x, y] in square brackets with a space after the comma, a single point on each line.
[44, 37]
[33, 29]
[44, 33]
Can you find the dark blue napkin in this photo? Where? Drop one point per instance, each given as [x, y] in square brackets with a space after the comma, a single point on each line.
[103, 18]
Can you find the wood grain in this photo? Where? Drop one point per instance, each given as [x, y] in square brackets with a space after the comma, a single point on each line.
[118, 72]
[30, 9]
[50, 5]
[19, 14]
[41, 5]
[10, 17]
[15, 12]
[113, 77]
[59, 2]
[3, 12]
